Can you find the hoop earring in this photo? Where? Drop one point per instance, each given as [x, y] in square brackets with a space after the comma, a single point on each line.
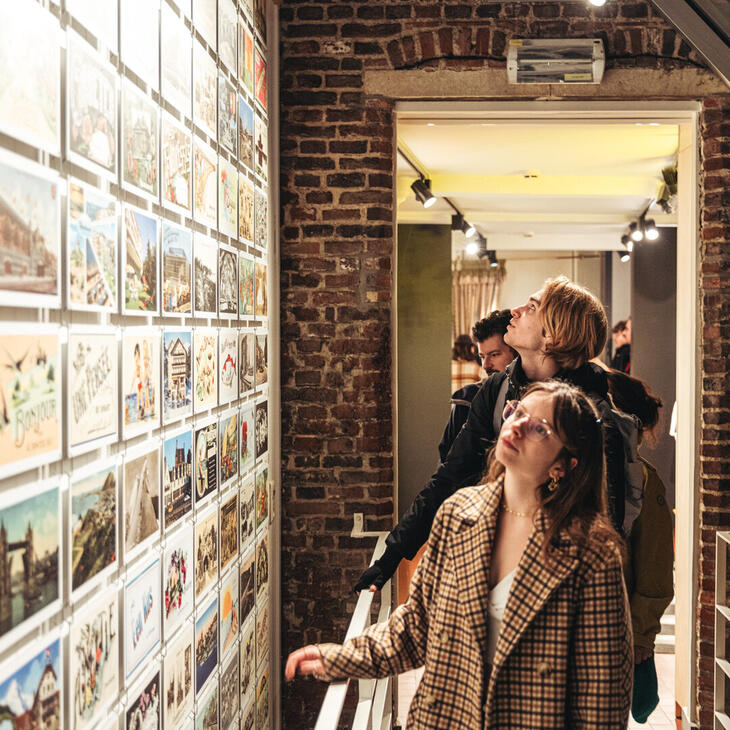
[553, 484]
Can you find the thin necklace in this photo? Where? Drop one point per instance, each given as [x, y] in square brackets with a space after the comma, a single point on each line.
[514, 511]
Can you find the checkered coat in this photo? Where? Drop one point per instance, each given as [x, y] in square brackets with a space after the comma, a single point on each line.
[564, 658]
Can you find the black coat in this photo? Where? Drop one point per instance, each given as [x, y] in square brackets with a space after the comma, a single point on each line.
[461, 402]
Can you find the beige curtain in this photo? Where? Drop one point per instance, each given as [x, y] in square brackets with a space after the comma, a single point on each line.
[474, 293]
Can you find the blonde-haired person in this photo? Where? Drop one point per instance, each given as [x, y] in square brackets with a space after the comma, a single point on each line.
[518, 608]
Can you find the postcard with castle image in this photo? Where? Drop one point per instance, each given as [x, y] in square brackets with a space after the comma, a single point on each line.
[30, 397]
[228, 448]
[177, 475]
[206, 642]
[177, 579]
[94, 660]
[178, 677]
[229, 616]
[91, 244]
[143, 712]
[140, 143]
[140, 263]
[93, 522]
[177, 374]
[229, 692]
[141, 617]
[30, 574]
[31, 687]
[141, 497]
[227, 282]
[140, 380]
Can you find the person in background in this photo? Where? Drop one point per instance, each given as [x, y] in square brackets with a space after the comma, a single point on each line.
[465, 366]
[494, 356]
[518, 609]
[621, 335]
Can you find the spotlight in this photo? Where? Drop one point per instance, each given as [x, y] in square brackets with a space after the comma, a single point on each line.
[598, 3]
[469, 229]
[635, 232]
[651, 231]
[626, 240]
[492, 256]
[422, 189]
[472, 248]
[625, 257]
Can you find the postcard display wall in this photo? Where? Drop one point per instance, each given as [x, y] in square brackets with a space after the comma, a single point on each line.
[135, 256]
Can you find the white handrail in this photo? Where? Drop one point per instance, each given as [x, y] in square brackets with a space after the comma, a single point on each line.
[370, 691]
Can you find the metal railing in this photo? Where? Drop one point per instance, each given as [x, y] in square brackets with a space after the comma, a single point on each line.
[375, 700]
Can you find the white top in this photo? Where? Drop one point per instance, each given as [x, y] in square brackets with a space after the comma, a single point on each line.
[496, 602]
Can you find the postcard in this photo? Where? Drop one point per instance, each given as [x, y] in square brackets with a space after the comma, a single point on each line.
[93, 522]
[262, 428]
[91, 109]
[93, 358]
[229, 692]
[30, 75]
[229, 530]
[206, 461]
[204, 18]
[206, 553]
[245, 56]
[98, 16]
[227, 198]
[176, 54]
[245, 133]
[177, 374]
[141, 497]
[226, 114]
[262, 634]
[227, 22]
[206, 715]
[176, 171]
[261, 149]
[140, 44]
[246, 501]
[229, 618]
[178, 677]
[262, 359]
[141, 242]
[248, 714]
[140, 380]
[30, 233]
[205, 179]
[246, 439]
[94, 660]
[245, 285]
[140, 136]
[205, 274]
[247, 582]
[227, 282]
[247, 658]
[262, 497]
[143, 708]
[177, 579]
[206, 643]
[31, 537]
[228, 364]
[245, 208]
[259, 18]
[30, 393]
[177, 269]
[141, 617]
[205, 369]
[177, 475]
[91, 245]
[262, 219]
[262, 688]
[246, 361]
[22, 683]
[260, 80]
[262, 565]
[261, 308]
[205, 94]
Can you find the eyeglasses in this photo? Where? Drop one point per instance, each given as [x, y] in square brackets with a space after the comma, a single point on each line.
[536, 429]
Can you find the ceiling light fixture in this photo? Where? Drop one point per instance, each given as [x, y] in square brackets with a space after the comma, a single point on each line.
[598, 3]
[472, 248]
[636, 233]
[625, 257]
[492, 256]
[422, 190]
[650, 230]
[469, 229]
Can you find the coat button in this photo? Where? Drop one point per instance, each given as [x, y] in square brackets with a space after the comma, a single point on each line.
[445, 636]
[544, 668]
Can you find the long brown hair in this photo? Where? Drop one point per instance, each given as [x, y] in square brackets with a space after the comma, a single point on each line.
[579, 504]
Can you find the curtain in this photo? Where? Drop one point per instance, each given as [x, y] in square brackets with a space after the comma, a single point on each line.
[474, 293]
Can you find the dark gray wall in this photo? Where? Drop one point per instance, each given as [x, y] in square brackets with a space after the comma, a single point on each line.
[424, 352]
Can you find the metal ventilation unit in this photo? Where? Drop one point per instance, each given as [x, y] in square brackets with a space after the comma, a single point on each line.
[556, 61]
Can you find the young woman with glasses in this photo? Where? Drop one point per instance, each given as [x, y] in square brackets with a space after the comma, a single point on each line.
[518, 608]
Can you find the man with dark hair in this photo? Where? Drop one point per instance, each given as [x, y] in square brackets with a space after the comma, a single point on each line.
[494, 356]
[621, 335]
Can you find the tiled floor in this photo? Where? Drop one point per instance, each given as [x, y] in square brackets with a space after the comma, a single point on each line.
[661, 719]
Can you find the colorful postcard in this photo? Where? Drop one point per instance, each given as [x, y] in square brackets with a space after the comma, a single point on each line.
[94, 660]
[176, 171]
[229, 692]
[30, 529]
[141, 617]
[245, 133]
[177, 579]
[228, 365]
[31, 691]
[205, 369]
[261, 149]
[245, 56]
[178, 678]
[91, 108]
[143, 710]
[30, 393]
[177, 374]
[140, 44]
[206, 715]
[245, 208]
[206, 552]
[262, 634]
[227, 282]
[227, 22]
[262, 496]
[141, 243]
[204, 18]
[227, 198]
[206, 643]
[262, 565]
[177, 269]
[91, 245]
[205, 274]
[205, 181]
[177, 475]
[92, 366]
[262, 219]
[30, 232]
[247, 583]
[247, 659]
[246, 439]
[229, 618]
[176, 46]
[141, 497]
[259, 18]
[247, 500]
[206, 461]
[262, 359]
[229, 530]
[98, 16]
[260, 82]
[262, 688]
[140, 380]
[226, 114]
[140, 136]
[93, 522]
[261, 308]
[246, 361]
[245, 285]
[30, 75]
[205, 94]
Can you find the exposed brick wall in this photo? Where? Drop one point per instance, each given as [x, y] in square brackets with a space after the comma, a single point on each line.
[337, 248]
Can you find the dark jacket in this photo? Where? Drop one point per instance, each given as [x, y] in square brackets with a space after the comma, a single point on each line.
[460, 402]
[621, 359]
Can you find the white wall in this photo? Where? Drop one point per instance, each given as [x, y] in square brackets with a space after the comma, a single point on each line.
[620, 289]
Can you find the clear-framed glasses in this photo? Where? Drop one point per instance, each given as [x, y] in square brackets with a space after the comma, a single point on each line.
[536, 429]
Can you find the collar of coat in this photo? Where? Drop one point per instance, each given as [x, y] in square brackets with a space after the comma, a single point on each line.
[534, 580]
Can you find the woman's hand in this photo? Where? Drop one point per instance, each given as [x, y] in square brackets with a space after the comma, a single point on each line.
[305, 661]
